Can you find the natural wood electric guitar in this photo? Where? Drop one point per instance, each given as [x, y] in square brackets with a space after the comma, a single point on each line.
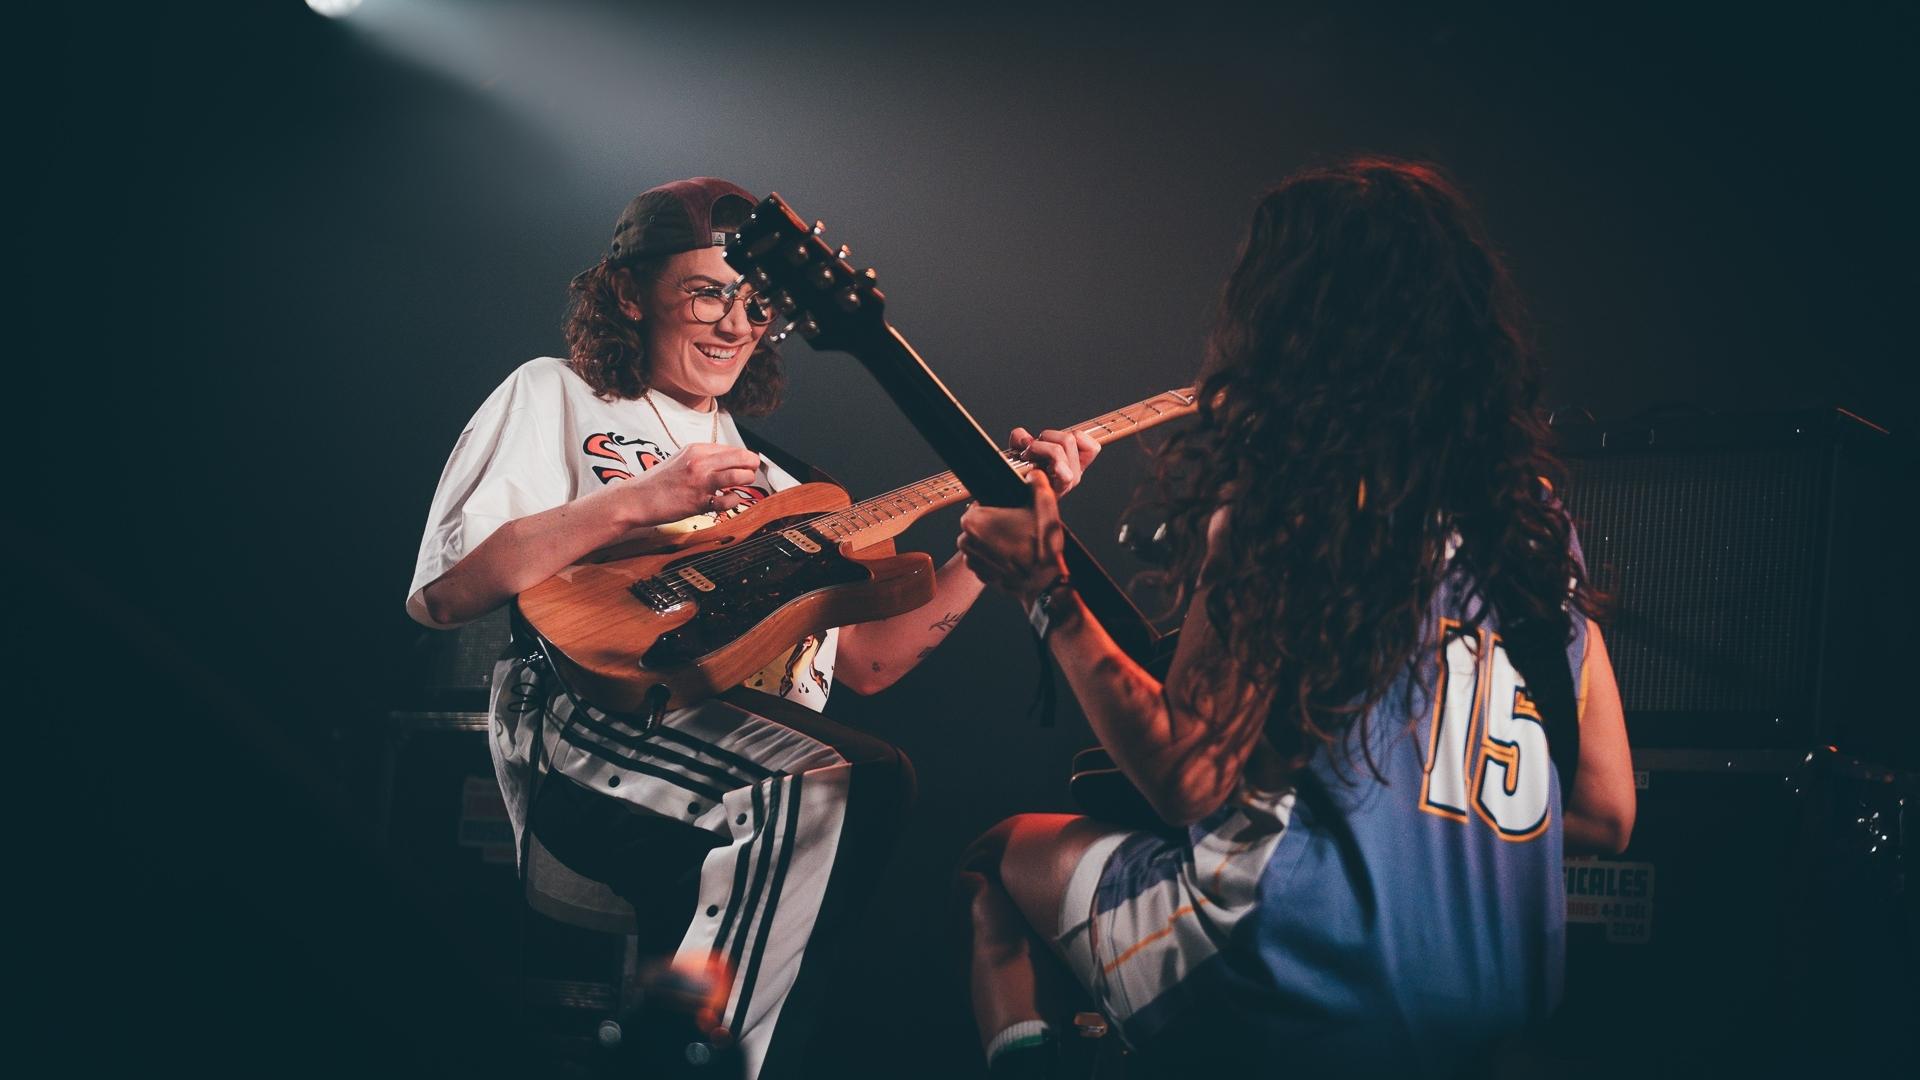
[709, 608]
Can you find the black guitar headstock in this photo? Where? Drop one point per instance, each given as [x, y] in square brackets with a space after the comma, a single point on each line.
[807, 283]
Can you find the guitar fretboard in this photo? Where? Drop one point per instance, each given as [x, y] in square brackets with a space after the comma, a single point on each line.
[884, 516]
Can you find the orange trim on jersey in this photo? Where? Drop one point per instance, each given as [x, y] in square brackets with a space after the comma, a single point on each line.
[1232, 853]
[1134, 949]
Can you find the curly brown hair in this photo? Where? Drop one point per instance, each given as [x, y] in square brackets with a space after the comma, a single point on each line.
[609, 350]
[1368, 395]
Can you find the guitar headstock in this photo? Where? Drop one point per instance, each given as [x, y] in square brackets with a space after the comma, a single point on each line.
[809, 284]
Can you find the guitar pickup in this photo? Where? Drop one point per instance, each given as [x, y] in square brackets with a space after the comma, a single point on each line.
[799, 539]
[695, 578]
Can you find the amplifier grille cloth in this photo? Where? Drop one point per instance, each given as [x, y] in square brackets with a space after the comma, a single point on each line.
[1713, 562]
[464, 658]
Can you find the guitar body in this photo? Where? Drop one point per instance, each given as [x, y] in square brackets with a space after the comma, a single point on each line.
[704, 611]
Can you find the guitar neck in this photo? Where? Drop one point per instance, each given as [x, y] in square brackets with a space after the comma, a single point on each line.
[884, 517]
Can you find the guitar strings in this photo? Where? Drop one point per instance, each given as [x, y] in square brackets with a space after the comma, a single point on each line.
[729, 561]
[733, 559]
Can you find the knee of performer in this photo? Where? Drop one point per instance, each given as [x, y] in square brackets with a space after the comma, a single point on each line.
[975, 898]
[983, 856]
[987, 920]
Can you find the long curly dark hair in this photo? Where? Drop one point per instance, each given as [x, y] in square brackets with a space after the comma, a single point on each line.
[609, 350]
[1368, 394]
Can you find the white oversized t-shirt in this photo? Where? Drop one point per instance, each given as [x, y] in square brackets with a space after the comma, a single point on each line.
[543, 439]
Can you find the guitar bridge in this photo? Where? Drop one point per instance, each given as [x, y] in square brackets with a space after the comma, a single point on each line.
[662, 598]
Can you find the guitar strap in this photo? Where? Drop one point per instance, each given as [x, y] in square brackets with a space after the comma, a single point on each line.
[1538, 650]
[799, 469]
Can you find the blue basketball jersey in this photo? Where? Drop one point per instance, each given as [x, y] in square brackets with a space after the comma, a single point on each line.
[1418, 917]
[1360, 924]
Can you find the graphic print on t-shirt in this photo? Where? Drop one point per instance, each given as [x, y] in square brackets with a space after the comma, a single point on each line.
[646, 454]
[607, 444]
[795, 669]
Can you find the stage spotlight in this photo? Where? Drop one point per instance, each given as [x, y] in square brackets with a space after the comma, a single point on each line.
[334, 9]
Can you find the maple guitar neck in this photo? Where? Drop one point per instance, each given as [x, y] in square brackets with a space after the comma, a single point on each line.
[883, 517]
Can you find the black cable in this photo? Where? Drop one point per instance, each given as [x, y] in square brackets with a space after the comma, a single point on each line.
[1043, 618]
[1045, 694]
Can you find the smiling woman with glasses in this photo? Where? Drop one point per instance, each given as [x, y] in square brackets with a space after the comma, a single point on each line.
[630, 436]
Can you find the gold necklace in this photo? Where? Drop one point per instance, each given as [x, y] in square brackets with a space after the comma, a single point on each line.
[715, 437]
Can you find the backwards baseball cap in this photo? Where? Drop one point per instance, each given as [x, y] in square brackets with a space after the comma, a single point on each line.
[675, 217]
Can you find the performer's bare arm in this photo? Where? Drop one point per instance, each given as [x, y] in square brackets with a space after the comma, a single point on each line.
[1598, 815]
[1183, 745]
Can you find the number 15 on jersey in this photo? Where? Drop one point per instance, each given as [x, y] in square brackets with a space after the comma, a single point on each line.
[1486, 748]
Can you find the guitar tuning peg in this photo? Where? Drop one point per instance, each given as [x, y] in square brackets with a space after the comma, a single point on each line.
[869, 275]
[822, 275]
[762, 283]
[848, 299]
[843, 253]
[780, 335]
[798, 254]
[819, 227]
[782, 302]
[809, 329]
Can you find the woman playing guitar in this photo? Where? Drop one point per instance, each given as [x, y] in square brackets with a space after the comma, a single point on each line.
[744, 827]
[1361, 871]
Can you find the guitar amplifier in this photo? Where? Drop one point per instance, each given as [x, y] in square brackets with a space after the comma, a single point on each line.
[1751, 564]
[1759, 922]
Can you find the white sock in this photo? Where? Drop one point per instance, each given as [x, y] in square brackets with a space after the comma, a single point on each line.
[1014, 1036]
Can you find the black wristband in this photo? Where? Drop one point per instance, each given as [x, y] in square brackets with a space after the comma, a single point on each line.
[1044, 611]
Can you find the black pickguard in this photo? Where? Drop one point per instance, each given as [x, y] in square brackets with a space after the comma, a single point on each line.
[744, 597]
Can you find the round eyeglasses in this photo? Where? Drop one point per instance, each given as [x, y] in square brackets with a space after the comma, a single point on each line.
[712, 303]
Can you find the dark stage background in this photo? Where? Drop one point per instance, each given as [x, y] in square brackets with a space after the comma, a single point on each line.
[275, 262]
